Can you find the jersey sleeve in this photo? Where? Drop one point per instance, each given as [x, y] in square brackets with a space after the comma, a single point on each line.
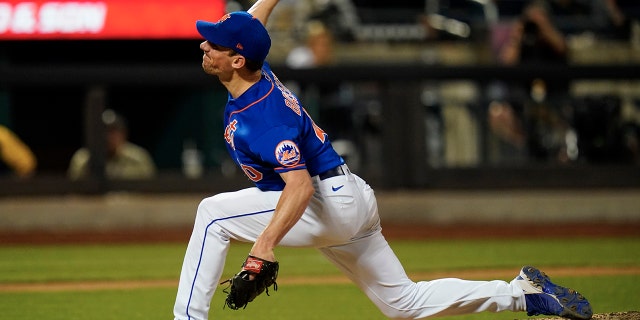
[279, 148]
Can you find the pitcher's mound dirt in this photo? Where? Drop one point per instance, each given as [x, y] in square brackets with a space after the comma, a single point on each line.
[628, 315]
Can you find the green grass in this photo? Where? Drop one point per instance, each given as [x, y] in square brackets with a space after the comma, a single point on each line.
[45, 264]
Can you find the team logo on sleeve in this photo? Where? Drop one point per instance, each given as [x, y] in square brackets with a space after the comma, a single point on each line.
[287, 153]
[229, 131]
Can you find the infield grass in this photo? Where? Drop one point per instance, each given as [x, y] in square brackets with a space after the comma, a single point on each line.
[327, 298]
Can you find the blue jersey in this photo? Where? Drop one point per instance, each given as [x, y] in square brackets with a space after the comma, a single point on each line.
[268, 132]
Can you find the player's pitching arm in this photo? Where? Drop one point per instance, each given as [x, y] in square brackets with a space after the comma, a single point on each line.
[293, 202]
[261, 10]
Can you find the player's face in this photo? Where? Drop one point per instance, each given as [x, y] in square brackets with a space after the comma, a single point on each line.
[216, 60]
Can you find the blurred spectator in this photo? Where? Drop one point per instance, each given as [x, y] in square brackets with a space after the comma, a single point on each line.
[534, 38]
[340, 17]
[317, 49]
[532, 114]
[547, 127]
[506, 125]
[333, 101]
[125, 160]
[536, 41]
[543, 24]
[507, 137]
[15, 154]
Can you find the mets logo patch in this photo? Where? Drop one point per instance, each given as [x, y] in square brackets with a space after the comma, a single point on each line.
[287, 153]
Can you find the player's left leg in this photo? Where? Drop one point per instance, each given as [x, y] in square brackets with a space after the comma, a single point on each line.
[240, 215]
[372, 265]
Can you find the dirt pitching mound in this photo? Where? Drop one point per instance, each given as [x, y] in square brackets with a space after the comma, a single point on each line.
[627, 315]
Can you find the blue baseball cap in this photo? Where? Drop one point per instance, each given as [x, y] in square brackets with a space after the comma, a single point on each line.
[239, 31]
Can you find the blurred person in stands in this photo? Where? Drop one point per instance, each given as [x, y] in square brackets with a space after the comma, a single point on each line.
[16, 155]
[332, 100]
[554, 126]
[534, 38]
[125, 160]
[317, 49]
[538, 106]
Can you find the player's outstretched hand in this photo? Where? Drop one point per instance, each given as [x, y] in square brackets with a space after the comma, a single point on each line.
[256, 276]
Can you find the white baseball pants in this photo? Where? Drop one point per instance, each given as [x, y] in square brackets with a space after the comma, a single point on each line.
[342, 222]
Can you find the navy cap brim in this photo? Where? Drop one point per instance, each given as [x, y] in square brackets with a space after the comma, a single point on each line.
[208, 30]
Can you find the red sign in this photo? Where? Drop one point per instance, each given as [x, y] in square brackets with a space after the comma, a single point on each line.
[108, 19]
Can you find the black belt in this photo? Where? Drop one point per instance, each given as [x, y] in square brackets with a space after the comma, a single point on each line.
[337, 171]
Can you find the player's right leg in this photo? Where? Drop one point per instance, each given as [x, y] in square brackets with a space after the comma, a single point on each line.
[372, 265]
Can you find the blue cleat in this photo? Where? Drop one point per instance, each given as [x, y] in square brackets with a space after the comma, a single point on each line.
[544, 297]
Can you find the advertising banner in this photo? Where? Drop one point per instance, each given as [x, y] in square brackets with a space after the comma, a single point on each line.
[108, 19]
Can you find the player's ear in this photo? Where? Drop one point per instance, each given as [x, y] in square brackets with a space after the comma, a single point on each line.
[238, 61]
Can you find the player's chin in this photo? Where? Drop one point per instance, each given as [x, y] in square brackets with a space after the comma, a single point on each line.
[207, 68]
